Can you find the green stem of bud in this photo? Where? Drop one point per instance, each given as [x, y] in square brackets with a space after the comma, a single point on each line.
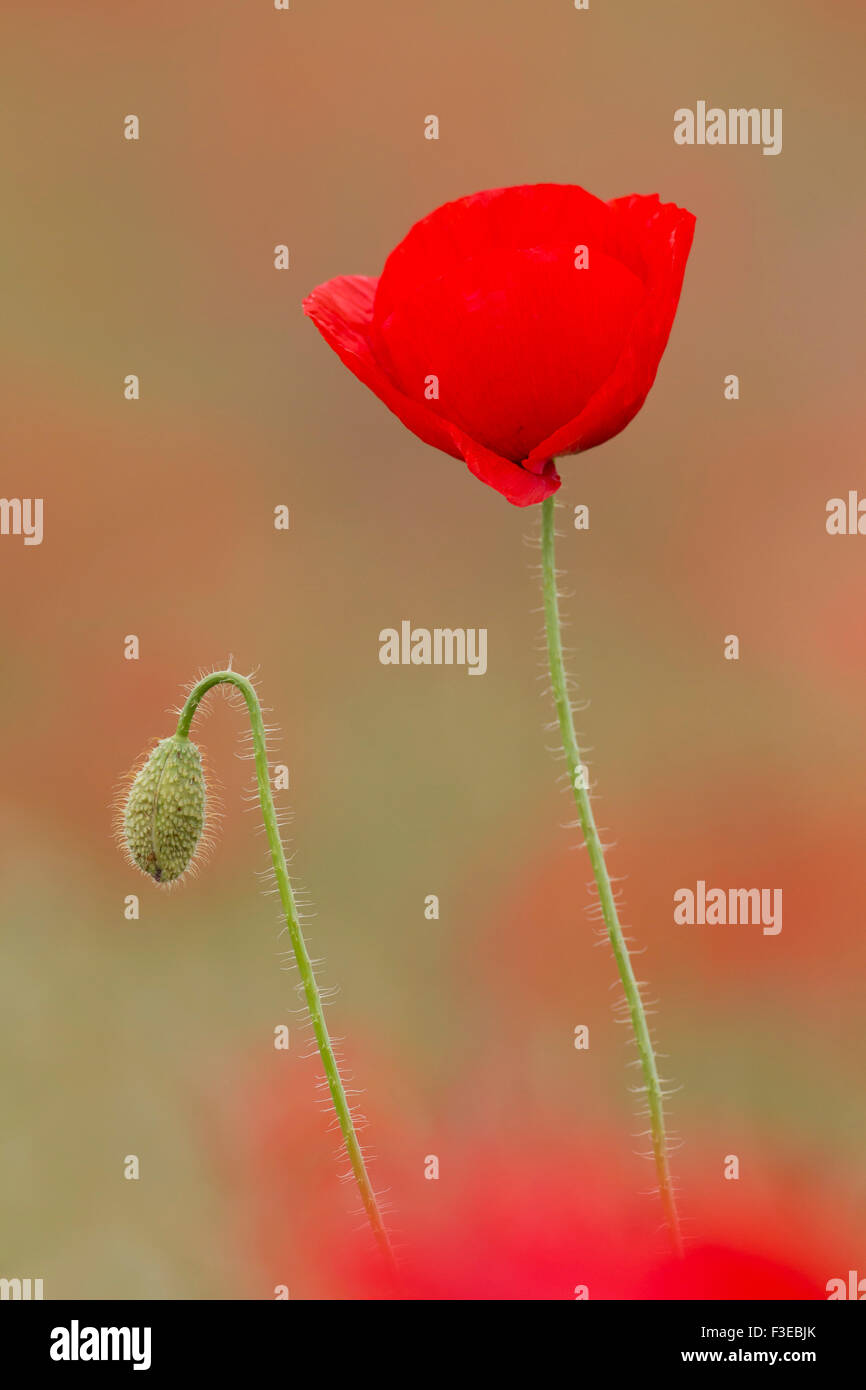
[576, 774]
[305, 968]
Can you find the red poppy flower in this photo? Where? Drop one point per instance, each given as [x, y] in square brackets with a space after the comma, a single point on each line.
[515, 325]
[525, 1207]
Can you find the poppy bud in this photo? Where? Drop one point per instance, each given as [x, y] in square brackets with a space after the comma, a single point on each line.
[164, 814]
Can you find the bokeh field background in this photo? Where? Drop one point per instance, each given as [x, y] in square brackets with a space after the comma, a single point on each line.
[154, 1037]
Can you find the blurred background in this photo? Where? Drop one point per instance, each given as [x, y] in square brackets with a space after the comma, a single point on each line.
[154, 1037]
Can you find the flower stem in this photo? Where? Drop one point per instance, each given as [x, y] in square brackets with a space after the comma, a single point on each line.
[577, 778]
[305, 968]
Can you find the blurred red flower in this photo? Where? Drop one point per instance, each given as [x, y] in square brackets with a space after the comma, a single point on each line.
[523, 1208]
[515, 325]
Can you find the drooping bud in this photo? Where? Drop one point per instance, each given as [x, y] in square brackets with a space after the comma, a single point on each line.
[164, 814]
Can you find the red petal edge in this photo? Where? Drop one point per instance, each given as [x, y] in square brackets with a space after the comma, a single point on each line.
[342, 310]
[664, 233]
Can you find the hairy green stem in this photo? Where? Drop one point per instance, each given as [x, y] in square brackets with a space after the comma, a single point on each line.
[299, 947]
[577, 777]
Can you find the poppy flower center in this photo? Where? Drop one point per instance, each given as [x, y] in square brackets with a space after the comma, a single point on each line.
[510, 345]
